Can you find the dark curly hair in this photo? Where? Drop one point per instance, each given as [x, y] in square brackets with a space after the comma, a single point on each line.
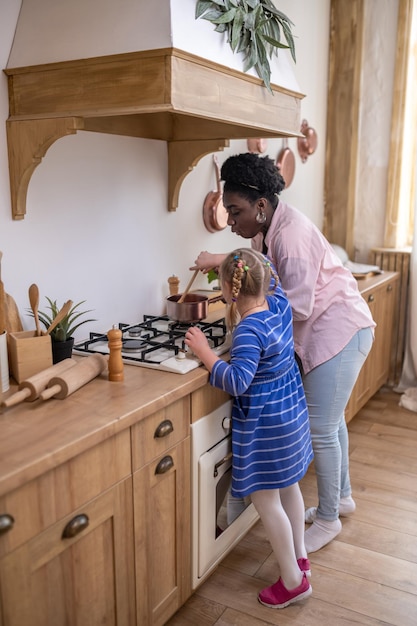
[252, 177]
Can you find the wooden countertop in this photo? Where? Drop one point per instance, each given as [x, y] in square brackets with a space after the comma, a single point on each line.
[38, 436]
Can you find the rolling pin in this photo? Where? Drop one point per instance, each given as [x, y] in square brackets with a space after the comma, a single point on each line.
[31, 388]
[72, 379]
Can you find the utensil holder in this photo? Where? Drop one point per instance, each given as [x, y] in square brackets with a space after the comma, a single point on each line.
[4, 363]
[28, 354]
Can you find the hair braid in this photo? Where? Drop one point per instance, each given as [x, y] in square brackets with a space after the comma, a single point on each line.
[249, 273]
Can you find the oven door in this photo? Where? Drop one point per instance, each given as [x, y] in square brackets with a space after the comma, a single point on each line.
[222, 519]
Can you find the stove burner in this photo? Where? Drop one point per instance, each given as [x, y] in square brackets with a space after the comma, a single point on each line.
[135, 331]
[132, 345]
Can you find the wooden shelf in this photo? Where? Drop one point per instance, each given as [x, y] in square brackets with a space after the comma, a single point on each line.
[196, 106]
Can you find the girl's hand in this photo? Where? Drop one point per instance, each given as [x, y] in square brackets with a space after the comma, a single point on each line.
[196, 340]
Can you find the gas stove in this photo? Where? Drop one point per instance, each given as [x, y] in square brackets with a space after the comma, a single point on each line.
[158, 342]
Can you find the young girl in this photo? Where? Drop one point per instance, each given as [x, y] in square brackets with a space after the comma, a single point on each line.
[271, 442]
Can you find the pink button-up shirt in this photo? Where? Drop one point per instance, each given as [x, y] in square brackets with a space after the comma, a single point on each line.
[324, 296]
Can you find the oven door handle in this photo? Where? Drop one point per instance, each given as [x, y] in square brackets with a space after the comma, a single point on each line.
[221, 462]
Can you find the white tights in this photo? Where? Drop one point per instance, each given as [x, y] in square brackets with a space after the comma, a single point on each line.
[282, 515]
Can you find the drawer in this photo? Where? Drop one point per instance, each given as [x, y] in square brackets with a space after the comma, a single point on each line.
[160, 431]
[54, 495]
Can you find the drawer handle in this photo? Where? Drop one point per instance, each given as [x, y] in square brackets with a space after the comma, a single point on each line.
[75, 526]
[371, 298]
[164, 429]
[164, 465]
[6, 523]
[389, 288]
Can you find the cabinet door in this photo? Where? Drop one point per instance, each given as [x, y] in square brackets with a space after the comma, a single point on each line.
[162, 535]
[384, 317]
[84, 579]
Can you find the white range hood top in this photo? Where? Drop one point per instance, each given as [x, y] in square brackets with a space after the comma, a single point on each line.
[51, 31]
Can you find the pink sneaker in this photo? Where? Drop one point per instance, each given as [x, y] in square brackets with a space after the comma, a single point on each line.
[304, 565]
[278, 597]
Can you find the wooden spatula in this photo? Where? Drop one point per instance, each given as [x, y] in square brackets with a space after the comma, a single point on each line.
[60, 316]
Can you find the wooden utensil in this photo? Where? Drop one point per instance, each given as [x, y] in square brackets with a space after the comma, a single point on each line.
[34, 305]
[60, 316]
[75, 377]
[188, 287]
[9, 313]
[31, 388]
[12, 316]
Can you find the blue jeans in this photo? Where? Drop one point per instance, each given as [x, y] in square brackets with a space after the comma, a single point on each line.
[328, 388]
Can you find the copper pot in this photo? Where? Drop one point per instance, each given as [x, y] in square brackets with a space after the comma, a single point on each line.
[194, 308]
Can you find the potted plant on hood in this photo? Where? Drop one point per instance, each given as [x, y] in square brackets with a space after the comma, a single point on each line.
[62, 335]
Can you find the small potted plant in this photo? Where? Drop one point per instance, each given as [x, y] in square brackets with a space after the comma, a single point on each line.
[62, 338]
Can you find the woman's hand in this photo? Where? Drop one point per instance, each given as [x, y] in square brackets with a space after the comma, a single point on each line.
[207, 261]
[196, 340]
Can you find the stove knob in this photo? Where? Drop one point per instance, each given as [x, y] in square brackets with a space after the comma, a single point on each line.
[227, 423]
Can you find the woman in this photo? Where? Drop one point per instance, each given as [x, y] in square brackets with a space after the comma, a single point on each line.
[271, 442]
[333, 326]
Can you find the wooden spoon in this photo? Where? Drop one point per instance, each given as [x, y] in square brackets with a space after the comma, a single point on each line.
[60, 316]
[188, 287]
[34, 304]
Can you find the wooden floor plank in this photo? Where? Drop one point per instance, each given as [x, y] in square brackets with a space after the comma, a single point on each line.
[368, 574]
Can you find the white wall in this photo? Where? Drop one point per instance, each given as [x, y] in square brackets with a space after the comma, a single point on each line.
[97, 225]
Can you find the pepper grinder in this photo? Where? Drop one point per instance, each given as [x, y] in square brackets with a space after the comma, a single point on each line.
[115, 358]
[173, 282]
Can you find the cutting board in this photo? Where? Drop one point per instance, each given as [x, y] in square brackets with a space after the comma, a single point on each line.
[12, 320]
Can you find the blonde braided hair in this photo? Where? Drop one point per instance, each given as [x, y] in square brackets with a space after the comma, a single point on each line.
[249, 274]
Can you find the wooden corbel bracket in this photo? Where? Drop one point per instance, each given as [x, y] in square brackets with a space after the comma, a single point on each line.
[182, 158]
[28, 141]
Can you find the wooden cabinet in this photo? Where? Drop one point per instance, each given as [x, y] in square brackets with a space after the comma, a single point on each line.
[67, 556]
[380, 294]
[103, 538]
[162, 512]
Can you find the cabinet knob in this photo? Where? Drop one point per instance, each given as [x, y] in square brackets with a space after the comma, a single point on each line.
[164, 465]
[389, 288]
[6, 523]
[75, 526]
[164, 429]
[371, 297]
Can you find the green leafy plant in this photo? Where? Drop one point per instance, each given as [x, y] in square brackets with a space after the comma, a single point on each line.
[68, 325]
[254, 27]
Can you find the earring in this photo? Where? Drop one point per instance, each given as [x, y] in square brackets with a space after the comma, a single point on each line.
[261, 218]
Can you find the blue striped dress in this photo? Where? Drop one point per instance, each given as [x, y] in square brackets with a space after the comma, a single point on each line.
[271, 441]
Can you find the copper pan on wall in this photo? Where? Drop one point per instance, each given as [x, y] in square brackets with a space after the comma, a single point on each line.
[257, 145]
[286, 163]
[214, 213]
[306, 145]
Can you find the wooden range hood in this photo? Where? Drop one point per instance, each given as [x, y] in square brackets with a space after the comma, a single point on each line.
[193, 104]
